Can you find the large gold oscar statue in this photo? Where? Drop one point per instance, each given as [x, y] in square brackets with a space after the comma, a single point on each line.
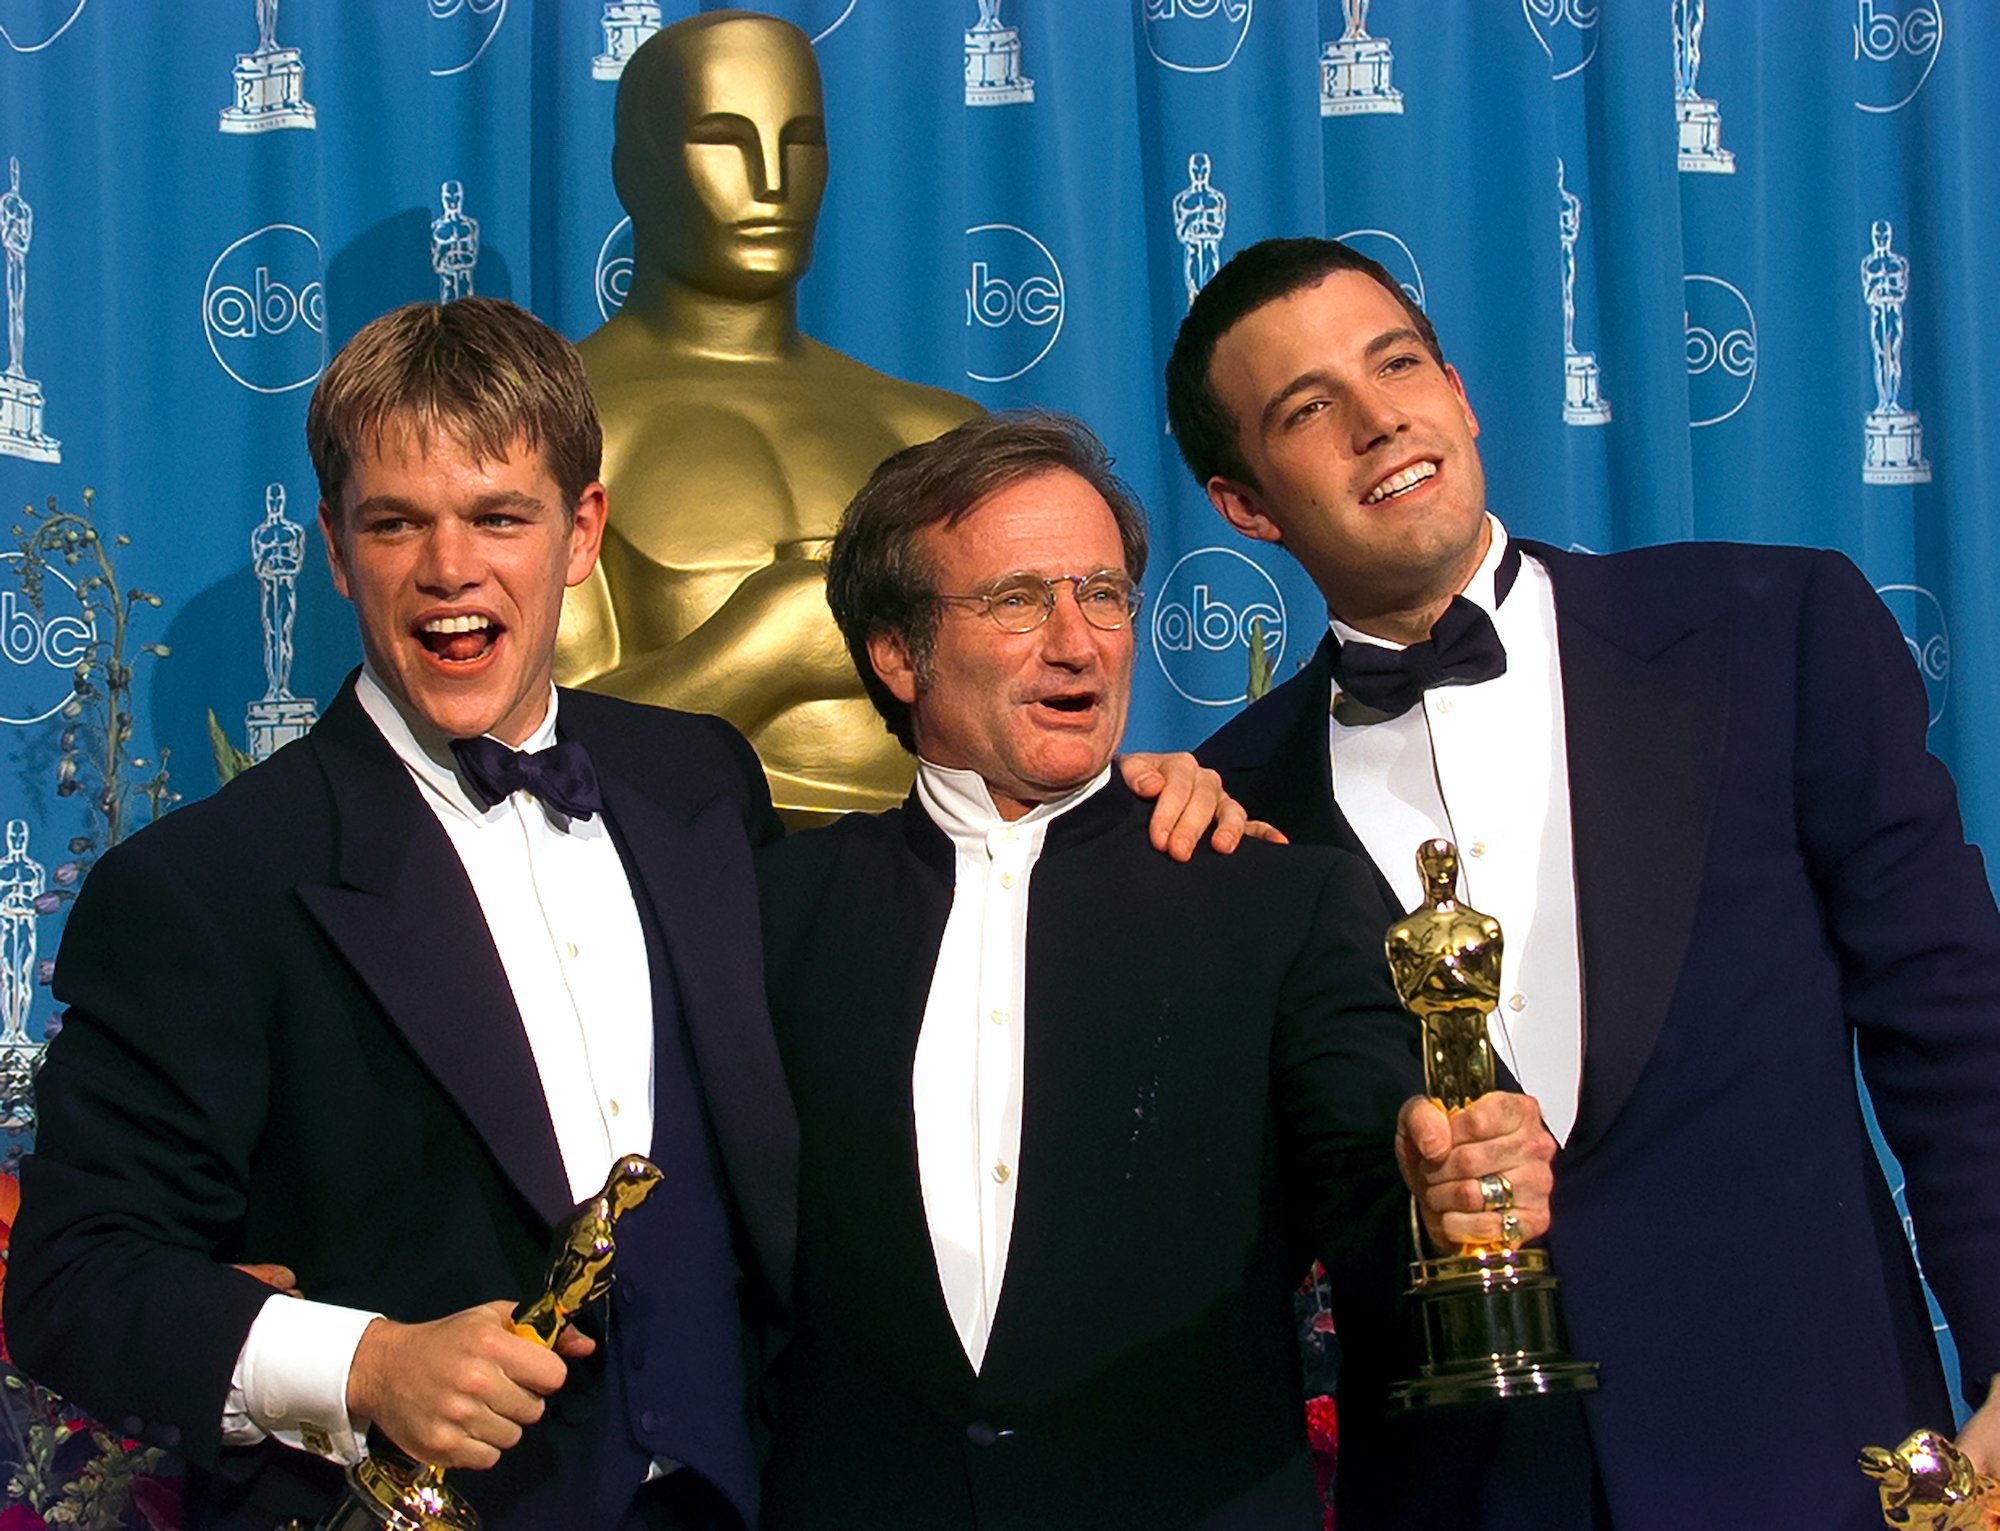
[732, 441]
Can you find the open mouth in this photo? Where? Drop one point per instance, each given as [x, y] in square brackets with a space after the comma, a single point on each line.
[1071, 703]
[1401, 482]
[458, 640]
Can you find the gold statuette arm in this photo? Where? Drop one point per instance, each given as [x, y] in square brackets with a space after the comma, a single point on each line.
[768, 647]
[587, 642]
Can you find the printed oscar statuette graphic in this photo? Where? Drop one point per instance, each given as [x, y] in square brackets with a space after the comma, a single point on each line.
[1354, 69]
[1928, 1484]
[270, 83]
[993, 61]
[277, 556]
[1699, 120]
[1486, 1320]
[1893, 433]
[386, 1489]
[1583, 399]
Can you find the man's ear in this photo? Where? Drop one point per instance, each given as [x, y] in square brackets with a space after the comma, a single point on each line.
[891, 658]
[336, 563]
[586, 534]
[1458, 387]
[1242, 507]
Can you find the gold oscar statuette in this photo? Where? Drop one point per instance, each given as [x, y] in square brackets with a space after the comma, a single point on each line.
[1928, 1484]
[1485, 1319]
[388, 1490]
[732, 440]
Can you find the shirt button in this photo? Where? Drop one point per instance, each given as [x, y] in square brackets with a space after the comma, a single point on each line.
[1517, 1002]
[1478, 847]
[613, 1106]
[1006, 879]
[1000, 1174]
[571, 948]
[1444, 704]
[997, 1017]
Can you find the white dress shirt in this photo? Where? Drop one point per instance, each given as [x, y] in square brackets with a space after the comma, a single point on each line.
[559, 906]
[965, 1084]
[1484, 766]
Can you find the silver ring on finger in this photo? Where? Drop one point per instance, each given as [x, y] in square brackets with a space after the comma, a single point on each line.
[1496, 1192]
[1510, 1229]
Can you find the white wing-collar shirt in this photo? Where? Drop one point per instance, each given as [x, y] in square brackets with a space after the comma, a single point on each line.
[1485, 766]
[966, 1081]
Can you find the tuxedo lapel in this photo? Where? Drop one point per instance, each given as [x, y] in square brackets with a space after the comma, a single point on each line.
[404, 917]
[1276, 758]
[1645, 697]
[696, 874]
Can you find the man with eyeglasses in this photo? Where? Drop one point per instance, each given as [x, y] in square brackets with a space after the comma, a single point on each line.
[1146, 1095]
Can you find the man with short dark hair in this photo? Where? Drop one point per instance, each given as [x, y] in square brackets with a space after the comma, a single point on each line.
[366, 1023]
[1690, 781]
[1074, 1118]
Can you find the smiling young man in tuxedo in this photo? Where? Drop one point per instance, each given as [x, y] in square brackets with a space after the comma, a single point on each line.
[1691, 783]
[1074, 1118]
[368, 1021]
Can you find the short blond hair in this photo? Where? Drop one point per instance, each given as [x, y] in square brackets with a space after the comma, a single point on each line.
[481, 371]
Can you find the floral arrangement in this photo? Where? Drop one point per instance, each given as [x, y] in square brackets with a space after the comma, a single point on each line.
[1319, 1354]
[61, 1468]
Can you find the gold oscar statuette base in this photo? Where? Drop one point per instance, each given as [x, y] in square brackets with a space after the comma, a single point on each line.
[1487, 1326]
[385, 1493]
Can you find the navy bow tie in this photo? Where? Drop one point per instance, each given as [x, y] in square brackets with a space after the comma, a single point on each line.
[1462, 650]
[561, 776]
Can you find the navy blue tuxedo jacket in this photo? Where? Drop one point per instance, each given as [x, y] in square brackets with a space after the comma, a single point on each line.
[290, 1039]
[1771, 878]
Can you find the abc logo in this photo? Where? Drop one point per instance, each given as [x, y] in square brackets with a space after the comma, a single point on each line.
[1395, 257]
[1567, 31]
[1208, 605]
[816, 21]
[1721, 349]
[1196, 36]
[1013, 302]
[614, 268]
[462, 42]
[1920, 616]
[264, 308]
[28, 26]
[41, 648]
[1895, 48]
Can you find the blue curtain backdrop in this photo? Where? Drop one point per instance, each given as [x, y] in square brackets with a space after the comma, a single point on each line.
[1774, 221]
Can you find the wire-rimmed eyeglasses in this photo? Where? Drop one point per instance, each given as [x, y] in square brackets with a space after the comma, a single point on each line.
[1020, 603]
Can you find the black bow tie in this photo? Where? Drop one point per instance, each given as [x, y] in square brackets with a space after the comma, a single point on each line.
[561, 776]
[1462, 650]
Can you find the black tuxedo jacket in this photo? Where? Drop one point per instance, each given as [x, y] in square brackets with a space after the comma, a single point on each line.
[1213, 1065]
[1772, 880]
[290, 1039]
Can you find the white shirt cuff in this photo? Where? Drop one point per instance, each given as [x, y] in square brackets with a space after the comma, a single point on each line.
[290, 1381]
